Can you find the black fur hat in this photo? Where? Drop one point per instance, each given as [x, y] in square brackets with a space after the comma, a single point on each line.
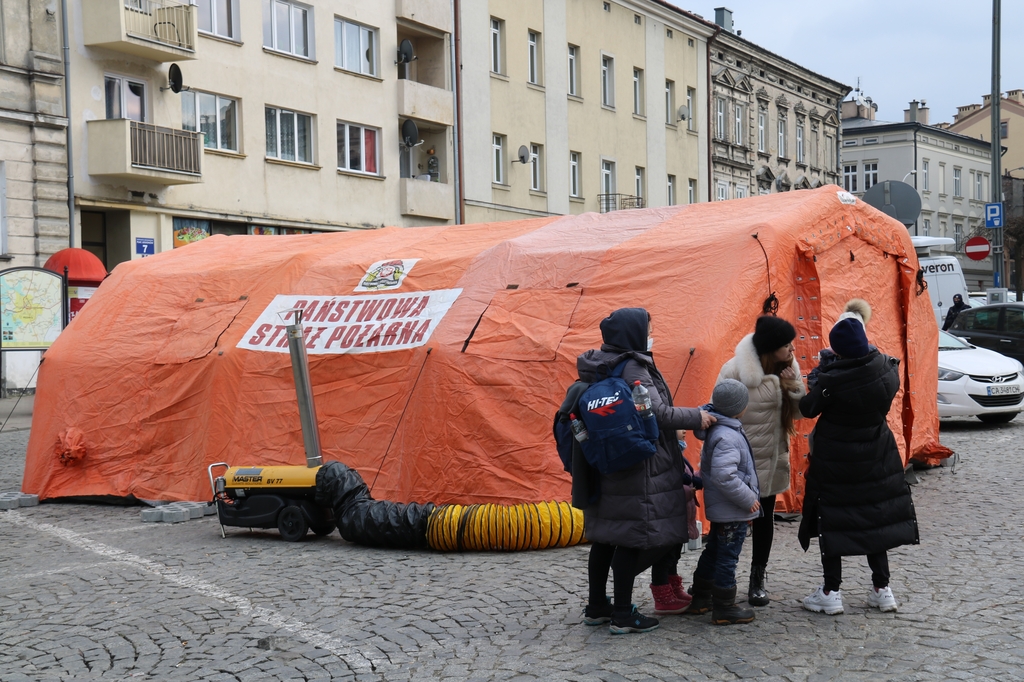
[772, 333]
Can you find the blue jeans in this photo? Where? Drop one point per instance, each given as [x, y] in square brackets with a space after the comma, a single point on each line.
[721, 554]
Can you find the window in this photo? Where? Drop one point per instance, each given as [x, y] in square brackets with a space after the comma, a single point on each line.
[668, 33]
[800, 142]
[214, 116]
[924, 175]
[978, 187]
[957, 189]
[287, 27]
[815, 147]
[607, 7]
[782, 138]
[958, 235]
[639, 182]
[355, 47]
[671, 190]
[498, 153]
[636, 19]
[289, 135]
[670, 102]
[573, 71]
[125, 98]
[850, 177]
[737, 125]
[741, 192]
[691, 191]
[1004, 130]
[358, 149]
[870, 175]
[830, 150]
[1013, 320]
[942, 179]
[536, 168]
[608, 177]
[720, 119]
[691, 96]
[926, 227]
[607, 81]
[497, 28]
[762, 122]
[574, 174]
[638, 92]
[533, 54]
[723, 191]
[219, 17]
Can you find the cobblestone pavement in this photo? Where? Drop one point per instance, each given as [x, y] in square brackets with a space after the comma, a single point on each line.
[89, 592]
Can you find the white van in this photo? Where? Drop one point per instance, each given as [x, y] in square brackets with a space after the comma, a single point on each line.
[943, 274]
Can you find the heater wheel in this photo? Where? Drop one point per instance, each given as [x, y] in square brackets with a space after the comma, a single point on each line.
[291, 522]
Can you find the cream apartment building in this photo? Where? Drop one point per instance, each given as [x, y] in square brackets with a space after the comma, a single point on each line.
[975, 120]
[591, 91]
[289, 120]
[774, 124]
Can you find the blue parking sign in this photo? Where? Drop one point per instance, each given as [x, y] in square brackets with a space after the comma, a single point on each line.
[994, 214]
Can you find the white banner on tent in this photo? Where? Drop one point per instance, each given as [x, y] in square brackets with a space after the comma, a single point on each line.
[334, 325]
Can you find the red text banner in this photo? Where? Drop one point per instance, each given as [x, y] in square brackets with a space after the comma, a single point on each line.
[334, 325]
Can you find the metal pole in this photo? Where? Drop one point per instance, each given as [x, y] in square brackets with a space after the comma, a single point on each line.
[304, 390]
[997, 148]
[67, 113]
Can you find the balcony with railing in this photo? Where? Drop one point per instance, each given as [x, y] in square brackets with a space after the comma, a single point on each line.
[130, 150]
[618, 202]
[435, 14]
[161, 30]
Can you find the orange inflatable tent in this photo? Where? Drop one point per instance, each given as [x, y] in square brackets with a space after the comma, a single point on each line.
[439, 355]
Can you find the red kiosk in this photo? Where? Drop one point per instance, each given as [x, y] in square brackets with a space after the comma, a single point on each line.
[84, 273]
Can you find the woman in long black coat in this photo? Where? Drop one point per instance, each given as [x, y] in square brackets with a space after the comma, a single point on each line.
[857, 500]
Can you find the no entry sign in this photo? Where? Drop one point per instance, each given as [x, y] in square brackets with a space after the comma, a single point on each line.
[977, 248]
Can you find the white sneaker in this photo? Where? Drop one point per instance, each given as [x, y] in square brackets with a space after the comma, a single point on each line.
[882, 599]
[819, 602]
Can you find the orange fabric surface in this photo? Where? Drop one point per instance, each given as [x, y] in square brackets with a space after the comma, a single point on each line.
[152, 382]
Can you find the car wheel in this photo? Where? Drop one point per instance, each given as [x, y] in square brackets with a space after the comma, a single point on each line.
[1000, 418]
[292, 524]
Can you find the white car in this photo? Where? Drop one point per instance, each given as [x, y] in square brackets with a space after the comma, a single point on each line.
[978, 382]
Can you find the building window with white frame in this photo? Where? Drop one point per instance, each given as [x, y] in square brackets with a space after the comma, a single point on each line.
[800, 142]
[498, 158]
[870, 175]
[358, 148]
[639, 182]
[737, 126]
[723, 191]
[125, 98]
[671, 190]
[607, 177]
[942, 179]
[741, 192]
[536, 168]
[574, 75]
[288, 27]
[957, 184]
[782, 139]
[638, 92]
[719, 118]
[691, 191]
[691, 97]
[219, 18]
[926, 227]
[497, 44]
[533, 57]
[924, 175]
[574, 175]
[978, 186]
[213, 115]
[958, 236]
[762, 123]
[850, 177]
[289, 135]
[670, 102]
[355, 47]
[607, 81]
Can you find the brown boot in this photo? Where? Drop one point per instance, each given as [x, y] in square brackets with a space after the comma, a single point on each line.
[726, 610]
[701, 596]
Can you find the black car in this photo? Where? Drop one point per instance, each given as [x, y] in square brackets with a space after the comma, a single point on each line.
[998, 327]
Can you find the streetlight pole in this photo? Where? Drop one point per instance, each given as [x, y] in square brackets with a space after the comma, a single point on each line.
[997, 148]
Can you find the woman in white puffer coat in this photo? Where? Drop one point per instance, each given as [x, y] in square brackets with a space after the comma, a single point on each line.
[764, 362]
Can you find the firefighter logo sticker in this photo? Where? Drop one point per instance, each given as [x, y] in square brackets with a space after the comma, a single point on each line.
[386, 275]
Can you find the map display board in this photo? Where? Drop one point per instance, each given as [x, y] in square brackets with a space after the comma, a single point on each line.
[31, 308]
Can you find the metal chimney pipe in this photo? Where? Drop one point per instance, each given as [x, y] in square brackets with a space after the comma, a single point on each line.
[304, 390]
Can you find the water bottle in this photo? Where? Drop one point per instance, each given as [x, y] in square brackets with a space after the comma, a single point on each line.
[642, 399]
[579, 431]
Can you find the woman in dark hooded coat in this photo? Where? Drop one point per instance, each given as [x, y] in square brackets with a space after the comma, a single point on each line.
[640, 519]
[857, 500]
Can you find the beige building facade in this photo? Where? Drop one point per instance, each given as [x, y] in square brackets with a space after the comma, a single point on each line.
[571, 106]
[289, 118]
[775, 124]
[975, 120]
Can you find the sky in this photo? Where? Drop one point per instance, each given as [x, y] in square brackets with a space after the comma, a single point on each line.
[939, 51]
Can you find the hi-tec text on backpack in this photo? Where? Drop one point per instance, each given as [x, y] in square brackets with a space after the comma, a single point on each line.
[618, 434]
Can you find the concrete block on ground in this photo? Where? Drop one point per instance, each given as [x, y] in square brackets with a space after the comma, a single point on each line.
[195, 511]
[9, 503]
[27, 500]
[152, 515]
[209, 509]
[174, 515]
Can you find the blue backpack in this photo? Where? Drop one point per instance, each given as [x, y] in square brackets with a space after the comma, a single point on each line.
[618, 436]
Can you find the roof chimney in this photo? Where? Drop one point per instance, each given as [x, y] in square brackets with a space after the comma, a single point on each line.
[723, 17]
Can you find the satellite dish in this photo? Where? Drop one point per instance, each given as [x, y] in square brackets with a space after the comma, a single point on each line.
[684, 113]
[405, 52]
[524, 154]
[174, 80]
[896, 199]
[410, 133]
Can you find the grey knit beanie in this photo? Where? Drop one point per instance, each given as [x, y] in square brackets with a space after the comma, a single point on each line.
[729, 397]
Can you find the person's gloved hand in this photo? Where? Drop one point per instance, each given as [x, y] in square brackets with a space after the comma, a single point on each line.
[698, 482]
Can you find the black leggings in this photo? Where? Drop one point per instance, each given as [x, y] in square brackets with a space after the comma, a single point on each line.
[762, 532]
[832, 567]
[627, 563]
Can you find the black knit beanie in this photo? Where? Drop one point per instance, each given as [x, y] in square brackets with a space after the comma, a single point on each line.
[848, 339]
[772, 333]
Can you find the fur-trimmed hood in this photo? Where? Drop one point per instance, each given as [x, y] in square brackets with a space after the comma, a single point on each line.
[746, 364]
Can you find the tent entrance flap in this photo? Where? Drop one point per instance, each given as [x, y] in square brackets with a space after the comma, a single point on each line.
[524, 324]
